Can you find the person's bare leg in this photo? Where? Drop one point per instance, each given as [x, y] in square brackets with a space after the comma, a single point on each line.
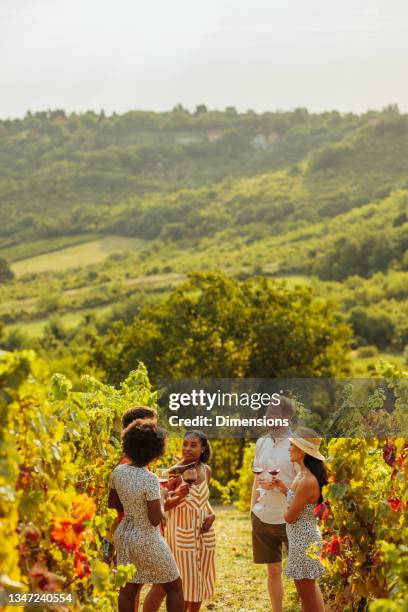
[154, 598]
[275, 586]
[312, 599]
[127, 597]
[137, 599]
[192, 606]
[174, 592]
[300, 597]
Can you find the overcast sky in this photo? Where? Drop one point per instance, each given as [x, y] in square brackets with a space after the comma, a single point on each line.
[119, 55]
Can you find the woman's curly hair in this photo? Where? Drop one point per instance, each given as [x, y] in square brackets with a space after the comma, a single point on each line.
[143, 441]
[138, 412]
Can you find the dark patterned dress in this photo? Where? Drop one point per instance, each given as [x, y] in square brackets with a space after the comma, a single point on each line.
[136, 540]
[305, 542]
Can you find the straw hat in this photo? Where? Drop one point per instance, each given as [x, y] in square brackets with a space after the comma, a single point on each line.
[308, 441]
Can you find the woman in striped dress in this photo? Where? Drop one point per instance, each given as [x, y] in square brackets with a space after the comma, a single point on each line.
[190, 532]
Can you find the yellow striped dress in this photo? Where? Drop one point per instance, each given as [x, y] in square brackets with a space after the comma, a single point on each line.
[194, 551]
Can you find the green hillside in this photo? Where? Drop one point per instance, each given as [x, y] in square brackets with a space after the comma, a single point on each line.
[64, 174]
[106, 214]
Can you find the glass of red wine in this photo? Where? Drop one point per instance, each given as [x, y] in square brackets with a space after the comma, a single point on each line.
[257, 469]
[269, 466]
[190, 477]
[163, 475]
[272, 467]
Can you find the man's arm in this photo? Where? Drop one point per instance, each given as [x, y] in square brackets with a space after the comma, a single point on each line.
[254, 494]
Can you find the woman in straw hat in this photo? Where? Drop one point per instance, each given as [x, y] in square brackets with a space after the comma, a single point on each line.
[303, 534]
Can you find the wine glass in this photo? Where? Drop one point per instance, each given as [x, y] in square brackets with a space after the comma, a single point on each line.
[163, 475]
[190, 477]
[272, 466]
[257, 469]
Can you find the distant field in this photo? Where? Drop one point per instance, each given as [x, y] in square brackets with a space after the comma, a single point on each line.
[80, 255]
[25, 250]
[35, 329]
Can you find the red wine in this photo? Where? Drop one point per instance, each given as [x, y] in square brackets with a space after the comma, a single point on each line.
[274, 471]
[163, 480]
[257, 470]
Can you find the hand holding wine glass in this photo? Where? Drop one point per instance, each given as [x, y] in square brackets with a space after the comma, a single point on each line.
[190, 476]
[279, 485]
[163, 475]
[270, 470]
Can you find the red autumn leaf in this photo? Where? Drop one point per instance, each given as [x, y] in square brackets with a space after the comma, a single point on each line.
[81, 565]
[78, 527]
[395, 505]
[334, 546]
[322, 511]
[31, 532]
[389, 453]
[64, 534]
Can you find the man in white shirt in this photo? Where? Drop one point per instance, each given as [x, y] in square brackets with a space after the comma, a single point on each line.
[268, 524]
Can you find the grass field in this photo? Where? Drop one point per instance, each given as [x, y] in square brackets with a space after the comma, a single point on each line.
[83, 254]
[241, 585]
[35, 328]
[25, 250]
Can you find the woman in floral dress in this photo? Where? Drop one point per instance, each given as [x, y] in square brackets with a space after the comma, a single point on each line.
[138, 540]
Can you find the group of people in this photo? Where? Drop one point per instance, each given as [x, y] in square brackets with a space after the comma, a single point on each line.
[179, 561]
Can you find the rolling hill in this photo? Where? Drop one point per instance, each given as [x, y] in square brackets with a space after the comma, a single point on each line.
[101, 210]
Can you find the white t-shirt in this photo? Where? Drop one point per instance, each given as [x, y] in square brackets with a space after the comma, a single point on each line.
[274, 502]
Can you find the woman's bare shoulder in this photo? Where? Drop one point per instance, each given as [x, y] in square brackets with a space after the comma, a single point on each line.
[304, 480]
[207, 471]
[311, 480]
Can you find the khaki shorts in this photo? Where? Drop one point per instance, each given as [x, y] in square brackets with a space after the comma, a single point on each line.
[267, 541]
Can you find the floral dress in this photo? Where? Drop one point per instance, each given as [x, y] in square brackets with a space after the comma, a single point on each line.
[305, 542]
[136, 540]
